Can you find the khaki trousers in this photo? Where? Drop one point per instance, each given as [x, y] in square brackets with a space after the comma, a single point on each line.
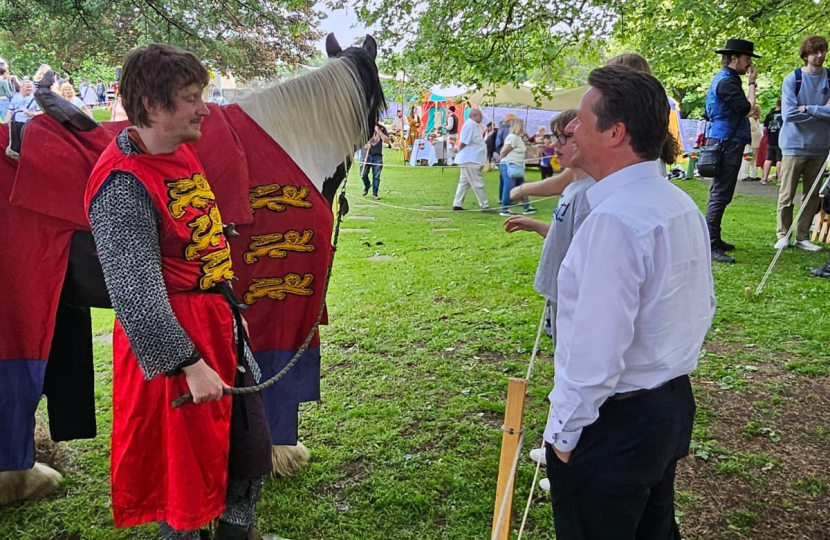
[793, 170]
[471, 177]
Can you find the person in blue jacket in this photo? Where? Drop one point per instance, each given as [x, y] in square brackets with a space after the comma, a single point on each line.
[727, 107]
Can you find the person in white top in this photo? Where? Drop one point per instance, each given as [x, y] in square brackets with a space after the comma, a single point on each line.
[635, 301]
[471, 159]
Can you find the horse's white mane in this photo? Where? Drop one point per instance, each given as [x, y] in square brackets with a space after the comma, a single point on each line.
[319, 119]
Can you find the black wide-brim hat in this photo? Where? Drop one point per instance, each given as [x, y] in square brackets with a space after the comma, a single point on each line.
[739, 46]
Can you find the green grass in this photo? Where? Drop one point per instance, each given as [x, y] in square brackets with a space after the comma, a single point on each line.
[406, 439]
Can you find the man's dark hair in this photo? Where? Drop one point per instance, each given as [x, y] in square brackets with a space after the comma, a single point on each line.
[726, 58]
[157, 72]
[638, 101]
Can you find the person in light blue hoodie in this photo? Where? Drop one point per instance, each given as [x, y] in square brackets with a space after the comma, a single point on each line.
[804, 140]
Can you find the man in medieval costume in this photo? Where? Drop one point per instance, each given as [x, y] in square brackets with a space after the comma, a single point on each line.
[178, 329]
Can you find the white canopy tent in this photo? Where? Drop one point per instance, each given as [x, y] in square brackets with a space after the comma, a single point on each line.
[559, 100]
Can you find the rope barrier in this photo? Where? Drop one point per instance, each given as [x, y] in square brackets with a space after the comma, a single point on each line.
[790, 231]
[443, 211]
[532, 491]
[514, 468]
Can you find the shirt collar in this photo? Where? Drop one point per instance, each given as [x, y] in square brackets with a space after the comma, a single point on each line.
[614, 181]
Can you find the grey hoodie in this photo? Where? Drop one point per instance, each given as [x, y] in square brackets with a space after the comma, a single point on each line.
[805, 133]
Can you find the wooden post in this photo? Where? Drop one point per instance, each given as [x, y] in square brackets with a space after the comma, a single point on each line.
[516, 393]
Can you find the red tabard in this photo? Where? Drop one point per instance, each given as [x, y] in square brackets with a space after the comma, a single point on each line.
[171, 465]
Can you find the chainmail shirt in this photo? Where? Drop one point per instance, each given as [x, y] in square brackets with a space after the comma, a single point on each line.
[125, 227]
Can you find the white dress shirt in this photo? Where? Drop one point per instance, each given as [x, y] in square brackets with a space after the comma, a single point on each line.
[475, 149]
[636, 297]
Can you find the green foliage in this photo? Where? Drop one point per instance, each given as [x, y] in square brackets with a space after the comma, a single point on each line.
[679, 39]
[477, 43]
[248, 38]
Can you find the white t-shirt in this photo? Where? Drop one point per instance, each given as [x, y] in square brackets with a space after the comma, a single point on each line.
[518, 152]
[475, 150]
[76, 101]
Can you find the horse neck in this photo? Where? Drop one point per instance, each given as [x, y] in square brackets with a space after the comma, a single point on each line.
[319, 119]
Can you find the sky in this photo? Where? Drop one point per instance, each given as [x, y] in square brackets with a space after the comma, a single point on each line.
[344, 25]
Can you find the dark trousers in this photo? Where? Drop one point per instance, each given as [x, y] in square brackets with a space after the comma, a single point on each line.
[547, 172]
[722, 190]
[375, 165]
[619, 481]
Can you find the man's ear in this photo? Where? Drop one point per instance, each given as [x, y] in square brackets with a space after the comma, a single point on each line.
[618, 134]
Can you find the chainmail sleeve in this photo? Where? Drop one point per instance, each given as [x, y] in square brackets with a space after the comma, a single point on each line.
[125, 227]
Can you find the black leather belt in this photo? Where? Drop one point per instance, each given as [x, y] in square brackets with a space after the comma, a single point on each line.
[635, 393]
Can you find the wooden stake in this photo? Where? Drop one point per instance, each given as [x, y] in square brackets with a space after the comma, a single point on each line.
[516, 393]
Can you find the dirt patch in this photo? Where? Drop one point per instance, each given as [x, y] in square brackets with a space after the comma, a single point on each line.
[767, 474]
[353, 472]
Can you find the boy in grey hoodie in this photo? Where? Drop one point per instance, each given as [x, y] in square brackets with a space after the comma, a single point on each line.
[804, 139]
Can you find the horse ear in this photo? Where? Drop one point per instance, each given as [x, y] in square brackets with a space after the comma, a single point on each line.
[370, 46]
[332, 47]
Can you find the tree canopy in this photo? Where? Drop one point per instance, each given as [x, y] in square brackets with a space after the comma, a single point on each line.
[248, 37]
[556, 42]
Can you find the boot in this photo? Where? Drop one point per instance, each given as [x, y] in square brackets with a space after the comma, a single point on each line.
[824, 271]
[226, 531]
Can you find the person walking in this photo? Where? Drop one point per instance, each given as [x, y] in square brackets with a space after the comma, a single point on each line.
[772, 127]
[372, 160]
[471, 159]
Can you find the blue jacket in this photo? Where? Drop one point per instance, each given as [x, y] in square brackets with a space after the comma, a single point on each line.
[723, 121]
[501, 134]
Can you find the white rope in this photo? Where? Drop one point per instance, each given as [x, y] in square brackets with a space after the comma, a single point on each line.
[792, 226]
[441, 210]
[511, 479]
[532, 490]
[496, 166]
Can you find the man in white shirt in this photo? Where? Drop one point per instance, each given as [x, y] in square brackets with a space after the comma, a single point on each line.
[635, 299]
[471, 159]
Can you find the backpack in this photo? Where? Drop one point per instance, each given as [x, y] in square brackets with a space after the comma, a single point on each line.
[798, 77]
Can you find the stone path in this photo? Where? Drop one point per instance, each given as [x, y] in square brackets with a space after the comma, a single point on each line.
[446, 229]
[356, 230]
[364, 218]
[438, 219]
[769, 191]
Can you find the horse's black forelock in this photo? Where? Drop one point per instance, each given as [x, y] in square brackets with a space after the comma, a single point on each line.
[367, 73]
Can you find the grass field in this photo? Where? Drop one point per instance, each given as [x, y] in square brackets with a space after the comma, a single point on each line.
[405, 441]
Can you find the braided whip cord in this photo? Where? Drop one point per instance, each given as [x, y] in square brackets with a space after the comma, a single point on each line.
[341, 208]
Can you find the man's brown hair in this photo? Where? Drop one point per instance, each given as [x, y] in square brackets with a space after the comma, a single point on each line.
[156, 72]
[632, 60]
[810, 45]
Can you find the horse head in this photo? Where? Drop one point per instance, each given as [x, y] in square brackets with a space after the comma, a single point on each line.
[322, 118]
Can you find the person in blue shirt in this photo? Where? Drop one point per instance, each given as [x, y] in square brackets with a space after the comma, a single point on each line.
[21, 109]
[727, 107]
[804, 141]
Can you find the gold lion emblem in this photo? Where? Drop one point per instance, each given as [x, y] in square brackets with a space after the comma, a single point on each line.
[207, 231]
[216, 268]
[277, 245]
[278, 288]
[194, 191]
[268, 196]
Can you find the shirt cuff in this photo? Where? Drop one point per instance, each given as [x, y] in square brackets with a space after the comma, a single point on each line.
[562, 439]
